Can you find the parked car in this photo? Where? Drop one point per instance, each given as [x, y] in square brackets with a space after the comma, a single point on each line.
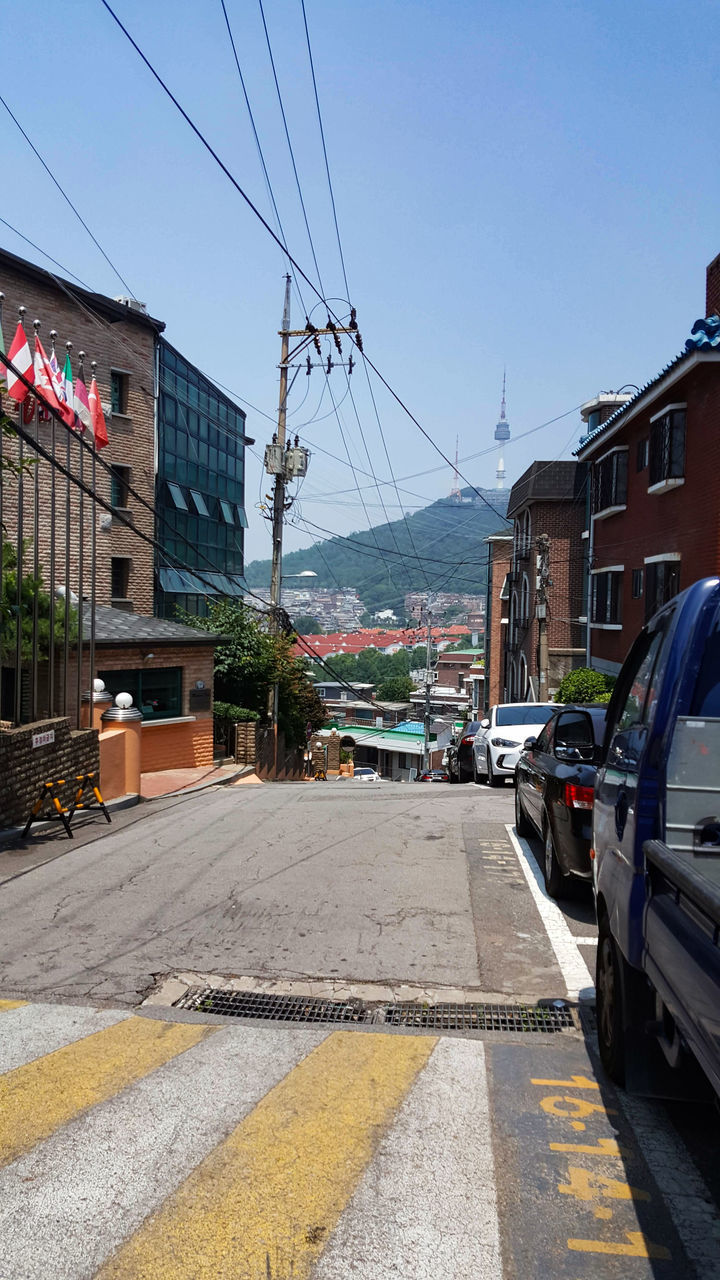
[459, 754]
[656, 840]
[366, 774]
[432, 775]
[500, 736]
[554, 784]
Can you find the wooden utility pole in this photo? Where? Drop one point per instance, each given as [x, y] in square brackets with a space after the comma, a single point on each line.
[541, 602]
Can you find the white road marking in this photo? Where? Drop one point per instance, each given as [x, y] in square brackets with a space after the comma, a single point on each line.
[585, 942]
[36, 1029]
[69, 1203]
[426, 1206]
[573, 968]
[684, 1192]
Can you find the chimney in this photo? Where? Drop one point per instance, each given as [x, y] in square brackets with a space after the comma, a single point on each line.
[712, 288]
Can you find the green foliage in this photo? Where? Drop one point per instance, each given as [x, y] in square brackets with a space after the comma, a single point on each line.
[465, 642]
[396, 689]
[306, 625]
[248, 663]
[32, 597]
[442, 535]
[236, 715]
[585, 685]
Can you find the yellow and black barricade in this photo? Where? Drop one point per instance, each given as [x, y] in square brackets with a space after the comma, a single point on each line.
[86, 795]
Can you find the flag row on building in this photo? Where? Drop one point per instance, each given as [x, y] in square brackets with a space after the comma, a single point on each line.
[79, 408]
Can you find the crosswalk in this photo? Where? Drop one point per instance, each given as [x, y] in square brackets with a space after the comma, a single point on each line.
[136, 1148]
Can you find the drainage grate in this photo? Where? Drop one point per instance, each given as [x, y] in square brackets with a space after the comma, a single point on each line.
[549, 1018]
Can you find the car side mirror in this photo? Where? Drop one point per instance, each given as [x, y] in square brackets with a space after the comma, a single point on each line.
[529, 743]
[485, 724]
[571, 754]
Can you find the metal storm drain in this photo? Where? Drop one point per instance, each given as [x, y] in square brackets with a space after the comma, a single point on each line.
[547, 1019]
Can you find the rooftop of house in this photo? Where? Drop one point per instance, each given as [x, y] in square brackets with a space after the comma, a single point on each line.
[110, 308]
[559, 481]
[117, 627]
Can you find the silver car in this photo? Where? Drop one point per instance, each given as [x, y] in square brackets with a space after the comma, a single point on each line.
[499, 740]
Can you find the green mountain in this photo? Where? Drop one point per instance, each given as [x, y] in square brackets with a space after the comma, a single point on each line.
[440, 547]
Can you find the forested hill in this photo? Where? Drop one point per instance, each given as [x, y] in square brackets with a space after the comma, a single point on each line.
[440, 547]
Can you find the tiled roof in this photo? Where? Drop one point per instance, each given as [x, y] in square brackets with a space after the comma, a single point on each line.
[546, 482]
[116, 627]
[705, 335]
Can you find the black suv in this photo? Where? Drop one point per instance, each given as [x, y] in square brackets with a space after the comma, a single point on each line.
[459, 754]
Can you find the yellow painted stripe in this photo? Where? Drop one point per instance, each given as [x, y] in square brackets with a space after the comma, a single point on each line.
[38, 1098]
[7, 1005]
[265, 1201]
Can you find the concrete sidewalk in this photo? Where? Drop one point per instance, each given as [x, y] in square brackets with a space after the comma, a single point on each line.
[168, 782]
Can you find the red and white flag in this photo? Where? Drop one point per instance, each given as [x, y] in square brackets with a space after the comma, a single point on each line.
[81, 403]
[44, 381]
[98, 427]
[19, 353]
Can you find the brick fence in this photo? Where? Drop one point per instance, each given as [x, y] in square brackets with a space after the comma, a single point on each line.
[24, 768]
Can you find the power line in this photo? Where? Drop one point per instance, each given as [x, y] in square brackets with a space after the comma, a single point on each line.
[66, 197]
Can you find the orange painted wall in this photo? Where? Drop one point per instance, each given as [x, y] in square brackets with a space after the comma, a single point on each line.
[177, 746]
[112, 764]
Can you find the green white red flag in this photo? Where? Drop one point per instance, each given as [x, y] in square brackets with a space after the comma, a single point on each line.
[98, 427]
[81, 402]
[19, 354]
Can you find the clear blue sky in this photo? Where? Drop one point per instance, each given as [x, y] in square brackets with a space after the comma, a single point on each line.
[517, 182]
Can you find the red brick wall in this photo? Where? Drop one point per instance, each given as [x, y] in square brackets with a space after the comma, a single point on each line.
[196, 661]
[126, 346]
[684, 520]
[712, 288]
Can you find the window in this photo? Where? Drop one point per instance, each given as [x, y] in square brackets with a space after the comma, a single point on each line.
[706, 698]
[119, 485]
[607, 598]
[544, 742]
[522, 534]
[177, 496]
[119, 386]
[643, 453]
[609, 485]
[227, 511]
[119, 577]
[525, 601]
[199, 503]
[633, 709]
[637, 583]
[662, 583]
[242, 518]
[157, 694]
[667, 447]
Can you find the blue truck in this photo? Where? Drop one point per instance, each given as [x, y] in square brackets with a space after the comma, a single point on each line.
[656, 854]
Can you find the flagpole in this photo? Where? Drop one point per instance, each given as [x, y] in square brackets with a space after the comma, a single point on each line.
[19, 567]
[68, 587]
[36, 560]
[51, 646]
[93, 562]
[81, 374]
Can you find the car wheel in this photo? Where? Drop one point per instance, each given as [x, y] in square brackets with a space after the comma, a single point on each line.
[493, 780]
[522, 825]
[609, 1012]
[554, 878]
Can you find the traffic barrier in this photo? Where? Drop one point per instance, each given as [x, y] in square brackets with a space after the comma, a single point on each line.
[51, 795]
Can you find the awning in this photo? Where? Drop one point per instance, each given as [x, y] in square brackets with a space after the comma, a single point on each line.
[183, 582]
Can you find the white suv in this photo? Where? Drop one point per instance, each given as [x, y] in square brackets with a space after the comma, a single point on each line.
[499, 740]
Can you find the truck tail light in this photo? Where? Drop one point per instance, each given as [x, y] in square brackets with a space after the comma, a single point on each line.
[578, 797]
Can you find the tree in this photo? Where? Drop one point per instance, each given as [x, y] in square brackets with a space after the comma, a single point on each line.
[251, 659]
[396, 689]
[306, 625]
[585, 685]
[33, 598]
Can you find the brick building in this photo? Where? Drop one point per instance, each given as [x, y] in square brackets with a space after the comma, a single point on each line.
[121, 339]
[496, 615]
[549, 498]
[654, 526]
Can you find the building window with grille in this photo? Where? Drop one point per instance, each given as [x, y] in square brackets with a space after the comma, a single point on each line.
[643, 453]
[119, 388]
[609, 482]
[637, 583]
[119, 577]
[662, 582]
[606, 603]
[119, 485]
[667, 447]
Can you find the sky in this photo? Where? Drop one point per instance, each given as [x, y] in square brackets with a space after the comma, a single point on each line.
[527, 184]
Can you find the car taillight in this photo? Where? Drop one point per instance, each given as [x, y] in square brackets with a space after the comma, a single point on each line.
[578, 797]
[471, 738]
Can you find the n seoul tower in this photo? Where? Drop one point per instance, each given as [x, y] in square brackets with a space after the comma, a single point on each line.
[502, 433]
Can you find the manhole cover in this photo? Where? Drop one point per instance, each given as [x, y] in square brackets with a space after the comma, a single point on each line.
[545, 1018]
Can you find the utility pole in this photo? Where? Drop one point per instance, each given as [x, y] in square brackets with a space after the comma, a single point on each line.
[542, 583]
[428, 687]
